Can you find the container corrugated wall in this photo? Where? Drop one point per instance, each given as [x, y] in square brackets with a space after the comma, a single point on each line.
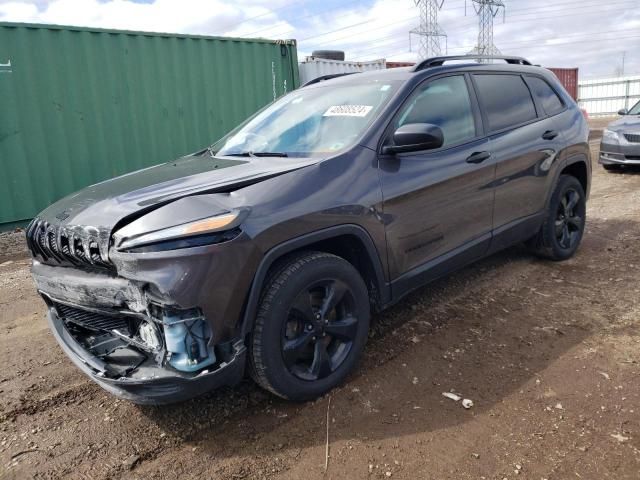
[569, 79]
[84, 105]
[318, 67]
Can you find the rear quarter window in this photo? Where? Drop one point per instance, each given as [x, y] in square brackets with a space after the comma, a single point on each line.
[545, 95]
[506, 99]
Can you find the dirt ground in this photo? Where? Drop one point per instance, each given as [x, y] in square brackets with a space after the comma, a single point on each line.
[549, 353]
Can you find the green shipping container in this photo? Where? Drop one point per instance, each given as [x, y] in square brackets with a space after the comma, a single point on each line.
[78, 105]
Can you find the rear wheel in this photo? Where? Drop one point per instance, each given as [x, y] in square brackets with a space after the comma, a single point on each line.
[562, 230]
[311, 327]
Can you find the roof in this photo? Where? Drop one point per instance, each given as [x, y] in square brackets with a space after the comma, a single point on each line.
[432, 66]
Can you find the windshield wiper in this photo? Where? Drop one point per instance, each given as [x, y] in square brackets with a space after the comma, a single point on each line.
[258, 154]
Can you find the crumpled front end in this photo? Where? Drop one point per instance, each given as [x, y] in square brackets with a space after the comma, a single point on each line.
[139, 350]
[135, 377]
[146, 275]
[153, 327]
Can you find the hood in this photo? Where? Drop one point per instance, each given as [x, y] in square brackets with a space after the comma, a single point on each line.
[106, 204]
[627, 123]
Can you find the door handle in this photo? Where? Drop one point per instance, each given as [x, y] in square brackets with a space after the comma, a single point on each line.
[478, 157]
[549, 134]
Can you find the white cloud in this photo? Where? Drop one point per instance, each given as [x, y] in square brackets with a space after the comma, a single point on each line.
[18, 11]
[588, 34]
[175, 16]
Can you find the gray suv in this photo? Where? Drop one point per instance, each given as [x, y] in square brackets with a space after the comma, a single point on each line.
[620, 143]
[268, 251]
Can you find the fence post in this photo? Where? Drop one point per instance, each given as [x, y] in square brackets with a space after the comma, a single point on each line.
[626, 94]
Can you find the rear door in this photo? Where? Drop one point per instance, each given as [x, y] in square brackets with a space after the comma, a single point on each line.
[524, 142]
[438, 203]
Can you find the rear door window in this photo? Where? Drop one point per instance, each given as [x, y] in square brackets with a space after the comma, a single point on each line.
[545, 95]
[506, 99]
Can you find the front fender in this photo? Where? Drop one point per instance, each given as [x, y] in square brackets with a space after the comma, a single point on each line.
[303, 241]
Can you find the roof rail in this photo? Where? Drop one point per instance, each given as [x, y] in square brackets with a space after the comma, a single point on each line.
[437, 61]
[327, 77]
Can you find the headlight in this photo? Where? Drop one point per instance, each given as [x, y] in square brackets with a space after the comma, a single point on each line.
[610, 135]
[218, 223]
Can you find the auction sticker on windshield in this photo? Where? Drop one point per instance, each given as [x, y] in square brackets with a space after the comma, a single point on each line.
[348, 111]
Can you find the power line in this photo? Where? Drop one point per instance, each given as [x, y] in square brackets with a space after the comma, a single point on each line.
[406, 20]
[309, 15]
[369, 40]
[530, 46]
[522, 42]
[529, 10]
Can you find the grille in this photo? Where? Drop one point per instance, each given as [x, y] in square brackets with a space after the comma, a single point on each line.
[57, 245]
[92, 320]
[632, 137]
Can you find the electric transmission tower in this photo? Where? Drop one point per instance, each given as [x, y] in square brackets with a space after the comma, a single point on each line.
[486, 11]
[429, 32]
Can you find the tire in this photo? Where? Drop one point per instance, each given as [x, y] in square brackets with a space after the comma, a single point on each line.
[560, 235]
[311, 327]
[611, 167]
[329, 54]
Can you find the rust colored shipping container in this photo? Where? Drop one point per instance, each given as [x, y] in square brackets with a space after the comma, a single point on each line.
[400, 64]
[569, 79]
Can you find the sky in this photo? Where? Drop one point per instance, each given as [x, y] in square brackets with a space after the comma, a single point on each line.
[592, 35]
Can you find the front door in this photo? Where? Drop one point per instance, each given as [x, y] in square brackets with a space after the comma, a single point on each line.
[438, 204]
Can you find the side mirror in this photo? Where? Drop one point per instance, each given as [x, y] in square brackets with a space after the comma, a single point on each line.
[414, 137]
[623, 111]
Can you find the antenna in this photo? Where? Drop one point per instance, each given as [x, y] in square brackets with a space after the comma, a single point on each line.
[486, 11]
[429, 31]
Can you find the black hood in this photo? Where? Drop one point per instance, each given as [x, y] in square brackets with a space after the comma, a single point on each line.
[106, 204]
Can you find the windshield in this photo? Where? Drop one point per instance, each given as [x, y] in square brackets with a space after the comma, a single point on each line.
[635, 110]
[308, 122]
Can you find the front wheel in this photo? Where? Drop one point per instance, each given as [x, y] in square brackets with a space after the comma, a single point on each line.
[311, 327]
[562, 230]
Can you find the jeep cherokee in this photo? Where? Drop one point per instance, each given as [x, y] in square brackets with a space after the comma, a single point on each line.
[269, 250]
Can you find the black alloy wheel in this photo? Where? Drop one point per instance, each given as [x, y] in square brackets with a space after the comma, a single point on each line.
[561, 232]
[568, 225]
[320, 329]
[311, 327]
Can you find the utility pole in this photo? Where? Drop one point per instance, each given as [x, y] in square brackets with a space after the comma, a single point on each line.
[486, 11]
[624, 54]
[429, 31]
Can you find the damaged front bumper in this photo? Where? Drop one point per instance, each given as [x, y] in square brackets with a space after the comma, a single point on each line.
[157, 385]
[134, 346]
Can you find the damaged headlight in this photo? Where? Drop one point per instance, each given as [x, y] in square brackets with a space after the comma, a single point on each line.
[181, 236]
